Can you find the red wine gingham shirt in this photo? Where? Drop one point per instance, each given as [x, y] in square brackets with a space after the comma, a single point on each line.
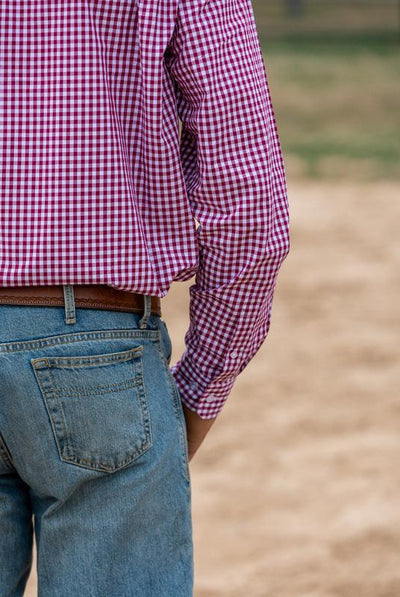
[101, 185]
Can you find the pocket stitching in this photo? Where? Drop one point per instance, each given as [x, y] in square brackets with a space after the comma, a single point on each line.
[99, 389]
[65, 450]
[53, 397]
[91, 360]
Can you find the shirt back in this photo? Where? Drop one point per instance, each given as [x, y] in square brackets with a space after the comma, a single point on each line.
[91, 184]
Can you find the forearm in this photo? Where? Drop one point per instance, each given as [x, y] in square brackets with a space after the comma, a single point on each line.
[197, 429]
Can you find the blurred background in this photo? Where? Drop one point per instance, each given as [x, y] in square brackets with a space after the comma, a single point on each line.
[296, 489]
[334, 73]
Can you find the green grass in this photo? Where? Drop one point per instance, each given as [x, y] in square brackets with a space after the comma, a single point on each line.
[339, 16]
[337, 106]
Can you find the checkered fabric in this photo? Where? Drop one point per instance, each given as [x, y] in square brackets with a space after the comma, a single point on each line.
[99, 185]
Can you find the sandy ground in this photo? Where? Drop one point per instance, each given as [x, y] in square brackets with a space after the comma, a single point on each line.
[296, 489]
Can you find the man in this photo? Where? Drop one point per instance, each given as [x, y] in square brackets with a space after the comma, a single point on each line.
[104, 203]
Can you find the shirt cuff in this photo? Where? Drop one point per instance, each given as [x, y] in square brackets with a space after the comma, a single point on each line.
[206, 397]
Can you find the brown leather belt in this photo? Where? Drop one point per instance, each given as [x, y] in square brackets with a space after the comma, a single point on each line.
[87, 296]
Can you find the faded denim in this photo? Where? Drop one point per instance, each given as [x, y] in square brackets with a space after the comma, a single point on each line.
[93, 456]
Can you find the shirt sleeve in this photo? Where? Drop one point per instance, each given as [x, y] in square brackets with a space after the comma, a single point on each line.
[235, 179]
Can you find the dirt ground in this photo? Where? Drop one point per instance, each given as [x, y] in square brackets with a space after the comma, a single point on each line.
[296, 488]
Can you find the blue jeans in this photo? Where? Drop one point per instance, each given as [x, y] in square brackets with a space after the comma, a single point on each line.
[93, 456]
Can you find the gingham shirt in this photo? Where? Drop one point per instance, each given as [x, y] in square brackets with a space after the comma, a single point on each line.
[99, 185]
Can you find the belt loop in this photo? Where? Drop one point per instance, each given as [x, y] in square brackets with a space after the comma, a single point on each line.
[147, 311]
[69, 303]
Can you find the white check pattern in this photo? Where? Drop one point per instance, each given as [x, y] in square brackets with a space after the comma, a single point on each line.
[97, 186]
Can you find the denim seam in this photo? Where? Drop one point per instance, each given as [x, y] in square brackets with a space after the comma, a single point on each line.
[63, 339]
[143, 402]
[61, 411]
[5, 455]
[182, 434]
[95, 360]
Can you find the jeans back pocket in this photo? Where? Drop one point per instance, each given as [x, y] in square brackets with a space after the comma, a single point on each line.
[97, 407]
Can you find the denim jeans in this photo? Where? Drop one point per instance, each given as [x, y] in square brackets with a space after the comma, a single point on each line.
[93, 456]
